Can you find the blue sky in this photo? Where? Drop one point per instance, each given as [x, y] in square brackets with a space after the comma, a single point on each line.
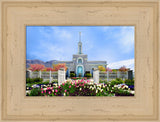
[114, 44]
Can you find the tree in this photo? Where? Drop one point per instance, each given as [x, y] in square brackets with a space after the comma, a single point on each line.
[36, 67]
[108, 69]
[49, 69]
[123, 69]
[56, 67]
[101, 68]
[114, 70]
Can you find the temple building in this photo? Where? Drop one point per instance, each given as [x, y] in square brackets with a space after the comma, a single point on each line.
[80, 64]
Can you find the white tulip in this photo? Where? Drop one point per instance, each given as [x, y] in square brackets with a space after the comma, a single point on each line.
[107, 88]
[96, 91]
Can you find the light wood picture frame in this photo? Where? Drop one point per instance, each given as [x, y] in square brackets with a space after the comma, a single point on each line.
[17, 14]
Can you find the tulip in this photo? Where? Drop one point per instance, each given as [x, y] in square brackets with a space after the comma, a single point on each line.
[65, 90]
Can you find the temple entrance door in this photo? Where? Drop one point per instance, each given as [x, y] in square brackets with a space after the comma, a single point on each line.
[80, 71]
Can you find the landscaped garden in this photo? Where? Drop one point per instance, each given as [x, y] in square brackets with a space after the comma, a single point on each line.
[79, 87]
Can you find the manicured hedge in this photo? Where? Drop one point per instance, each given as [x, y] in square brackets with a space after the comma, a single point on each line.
[33, 80]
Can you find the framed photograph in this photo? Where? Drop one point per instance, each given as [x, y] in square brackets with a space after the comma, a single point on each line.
[52, 71]
[79, 60]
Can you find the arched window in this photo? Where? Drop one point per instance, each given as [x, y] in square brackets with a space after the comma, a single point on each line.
[80, 61]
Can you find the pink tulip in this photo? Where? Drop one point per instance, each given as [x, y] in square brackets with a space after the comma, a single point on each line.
[49, 92]
[56, 90]
[45, 91]
[42, 92]
[69, 86]
[41, 88]
[65, 90]
[59, 87]
[63, 84]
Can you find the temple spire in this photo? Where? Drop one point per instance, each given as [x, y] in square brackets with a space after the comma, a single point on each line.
[79, 44]
[79, 36]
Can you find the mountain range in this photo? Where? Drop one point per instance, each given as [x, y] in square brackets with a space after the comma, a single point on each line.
[115, 65]
[36, 61]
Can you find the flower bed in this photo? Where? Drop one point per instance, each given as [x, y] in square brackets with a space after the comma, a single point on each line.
[81, 88]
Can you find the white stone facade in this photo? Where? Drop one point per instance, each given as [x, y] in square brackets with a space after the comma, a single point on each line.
[80, 64]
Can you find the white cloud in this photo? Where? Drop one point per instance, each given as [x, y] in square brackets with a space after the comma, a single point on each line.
[62, 48]
[126, 39]
[128, 63]
[49, 51]
[57, 33]
[60, 44]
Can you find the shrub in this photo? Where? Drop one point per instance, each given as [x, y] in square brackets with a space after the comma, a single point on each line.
[103, 81]
[55, 81]
[33, 80]
[35, 92]
[72, 74]
[116, 82]
[119, 79]
[29, 80]
[37, 80]
[46, 82]
[129, 83]
[88, 75]
[121, 92]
